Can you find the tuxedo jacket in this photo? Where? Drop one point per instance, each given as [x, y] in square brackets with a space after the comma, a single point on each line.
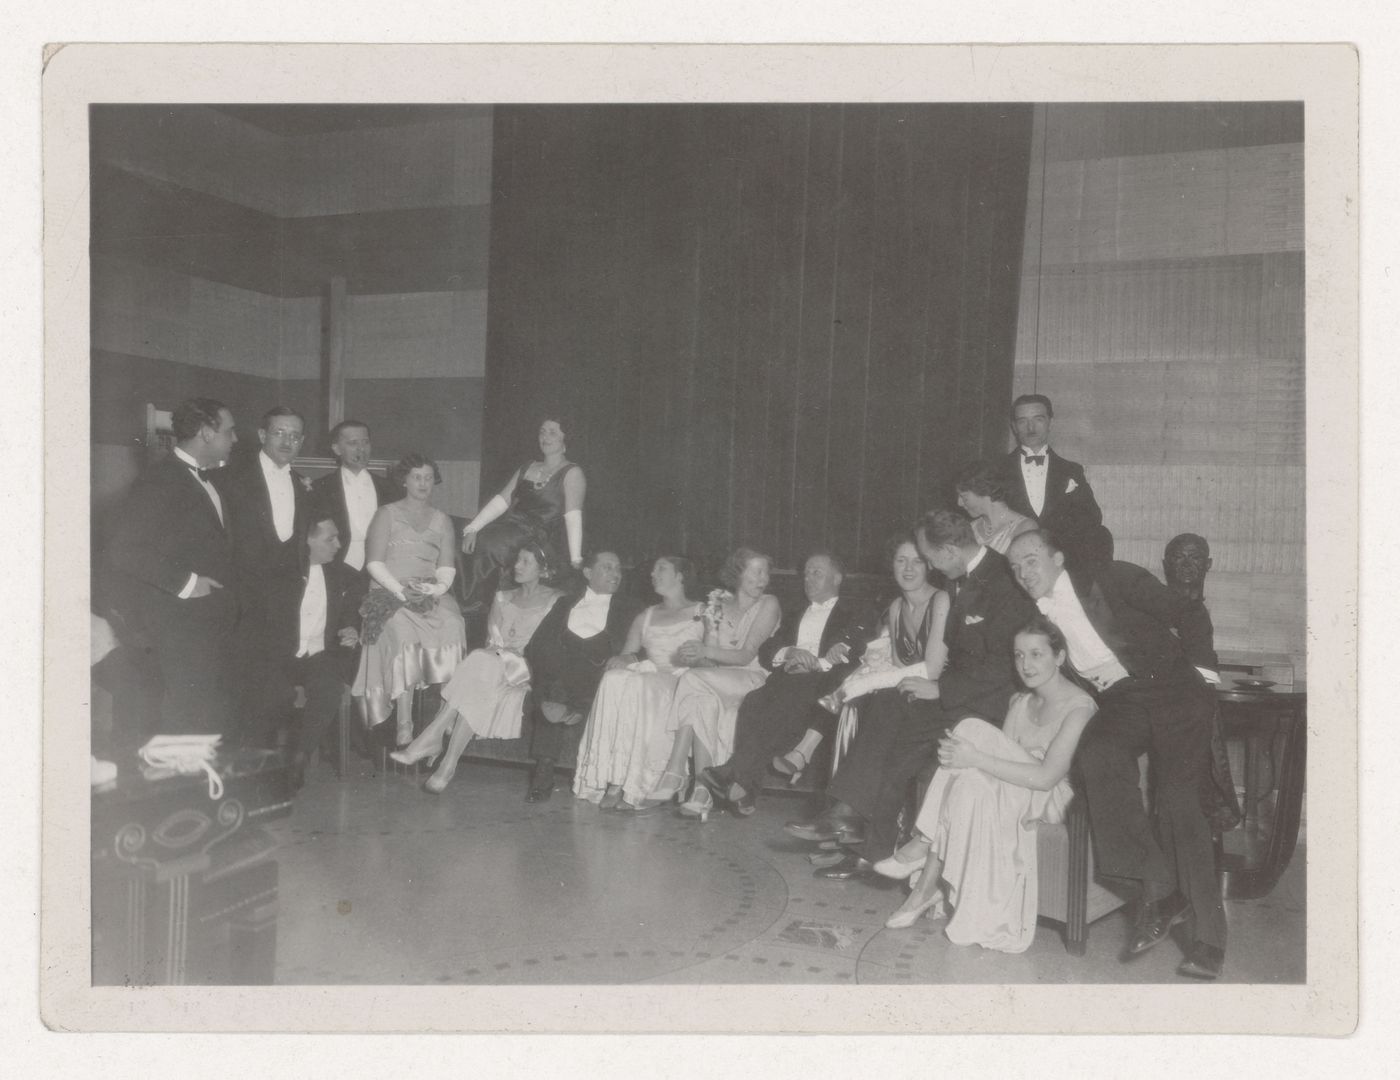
[328, 500]
[1150, 628]
[566, 668]
[1070, 509]
[167, 531]
[268, 568]
[988, 608]
[345, 589]
[847, 624]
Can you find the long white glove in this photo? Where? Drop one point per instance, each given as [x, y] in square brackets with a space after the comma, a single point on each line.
[573, 526]
[487, 514]
[445, 575]
[380, 573]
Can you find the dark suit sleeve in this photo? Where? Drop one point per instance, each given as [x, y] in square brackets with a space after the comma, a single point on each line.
[1188, 617]
[146, 544]
[782, 638]
[979, 659]
[542, 651]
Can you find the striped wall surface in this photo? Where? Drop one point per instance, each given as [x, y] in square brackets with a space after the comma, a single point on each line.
[216, 232]
[1162, 311]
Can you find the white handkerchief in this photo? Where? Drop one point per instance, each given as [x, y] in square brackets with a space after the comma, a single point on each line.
[972, 620]
[1070, 486]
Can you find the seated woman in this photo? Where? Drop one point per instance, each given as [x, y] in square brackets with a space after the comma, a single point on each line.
[911, 645]
[625, 742]
[976, 828]
[541, 504]
[724, 667]
[982, 494]
[413, 632]
[486, 695]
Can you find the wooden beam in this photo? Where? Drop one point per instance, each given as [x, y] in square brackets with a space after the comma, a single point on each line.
[334, 352]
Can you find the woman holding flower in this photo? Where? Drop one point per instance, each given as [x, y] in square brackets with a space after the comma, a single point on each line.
[723, 668]
[413, 630]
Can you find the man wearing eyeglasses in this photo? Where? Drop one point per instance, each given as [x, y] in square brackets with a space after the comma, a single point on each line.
[269, 501]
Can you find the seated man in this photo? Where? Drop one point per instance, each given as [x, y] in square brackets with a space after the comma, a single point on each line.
[567, 655]
[1132, 640]
[810, 655]
[898, 733]
[327, 647]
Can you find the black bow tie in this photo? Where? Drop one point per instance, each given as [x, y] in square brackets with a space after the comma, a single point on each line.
[203, 474]
[1034, 459]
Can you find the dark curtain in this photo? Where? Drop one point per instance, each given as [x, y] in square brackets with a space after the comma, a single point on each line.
[780, 325]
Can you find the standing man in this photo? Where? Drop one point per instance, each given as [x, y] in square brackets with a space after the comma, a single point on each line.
[1045, 486]
[898, 735]
[568, 654]
[174, 572]
[1122, 625]
[809, 656]
[328, 638]
[351, 494]
[270, 502]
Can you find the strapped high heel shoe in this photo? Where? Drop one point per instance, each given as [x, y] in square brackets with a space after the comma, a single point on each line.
[661, 794]
[792, 765]
[898, 868]
[935, 907]
[699, 805]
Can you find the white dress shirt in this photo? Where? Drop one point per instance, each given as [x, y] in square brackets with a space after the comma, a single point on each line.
[809, 634]
[1034, 476]
[361, 501]
[213, 494]
[284, 500]
[1087, 652]
[590, 614]
[313, 613]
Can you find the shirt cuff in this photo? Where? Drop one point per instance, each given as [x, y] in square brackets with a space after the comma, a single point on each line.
[1211, 677]
[184, 594]
[780, 656]
[824, 664]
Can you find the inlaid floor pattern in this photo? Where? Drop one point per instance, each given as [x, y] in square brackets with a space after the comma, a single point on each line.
[384, 884]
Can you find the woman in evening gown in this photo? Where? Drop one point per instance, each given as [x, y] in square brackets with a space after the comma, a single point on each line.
[625, 743]
[982, 494]
[413, 632]
[723, 668]
[541, 504]
[976, 827]
[486, 695]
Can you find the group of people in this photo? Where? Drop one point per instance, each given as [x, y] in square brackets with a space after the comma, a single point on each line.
[1015, 647]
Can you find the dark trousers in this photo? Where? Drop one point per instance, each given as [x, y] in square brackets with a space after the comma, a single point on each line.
[1170, 718]
[895, 739]
[773, 717]
[552, 742]
[193, 655]
[568, 675]
[320, 677]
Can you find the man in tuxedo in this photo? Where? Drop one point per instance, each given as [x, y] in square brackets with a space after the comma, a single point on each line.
[568, 654]
[351, 494]
[1131, 640]
[898, 735]
[269, 501]
[173, 572]
[327, 642]
[1044, 486]
[810, 655]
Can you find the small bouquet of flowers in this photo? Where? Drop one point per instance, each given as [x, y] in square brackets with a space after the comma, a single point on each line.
[713, 610]
[379, 606]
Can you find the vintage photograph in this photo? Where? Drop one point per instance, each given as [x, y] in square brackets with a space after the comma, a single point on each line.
[698, 543]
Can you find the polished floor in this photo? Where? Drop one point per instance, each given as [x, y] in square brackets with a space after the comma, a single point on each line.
[382, 883]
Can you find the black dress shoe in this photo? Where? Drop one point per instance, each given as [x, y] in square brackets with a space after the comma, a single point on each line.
[540, 793]
[541, 781]
[1203, 961]
[850, 866]
[1156, 922]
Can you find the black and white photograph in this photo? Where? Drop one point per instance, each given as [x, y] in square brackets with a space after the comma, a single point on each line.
[710, 544]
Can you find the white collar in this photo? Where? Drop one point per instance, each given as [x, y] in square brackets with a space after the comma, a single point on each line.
[825, 605]
[591, 597]
[973, 562]
[270, 467]
[1044, 452]
[189, 461]
[1063, 588]
[349, 477]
